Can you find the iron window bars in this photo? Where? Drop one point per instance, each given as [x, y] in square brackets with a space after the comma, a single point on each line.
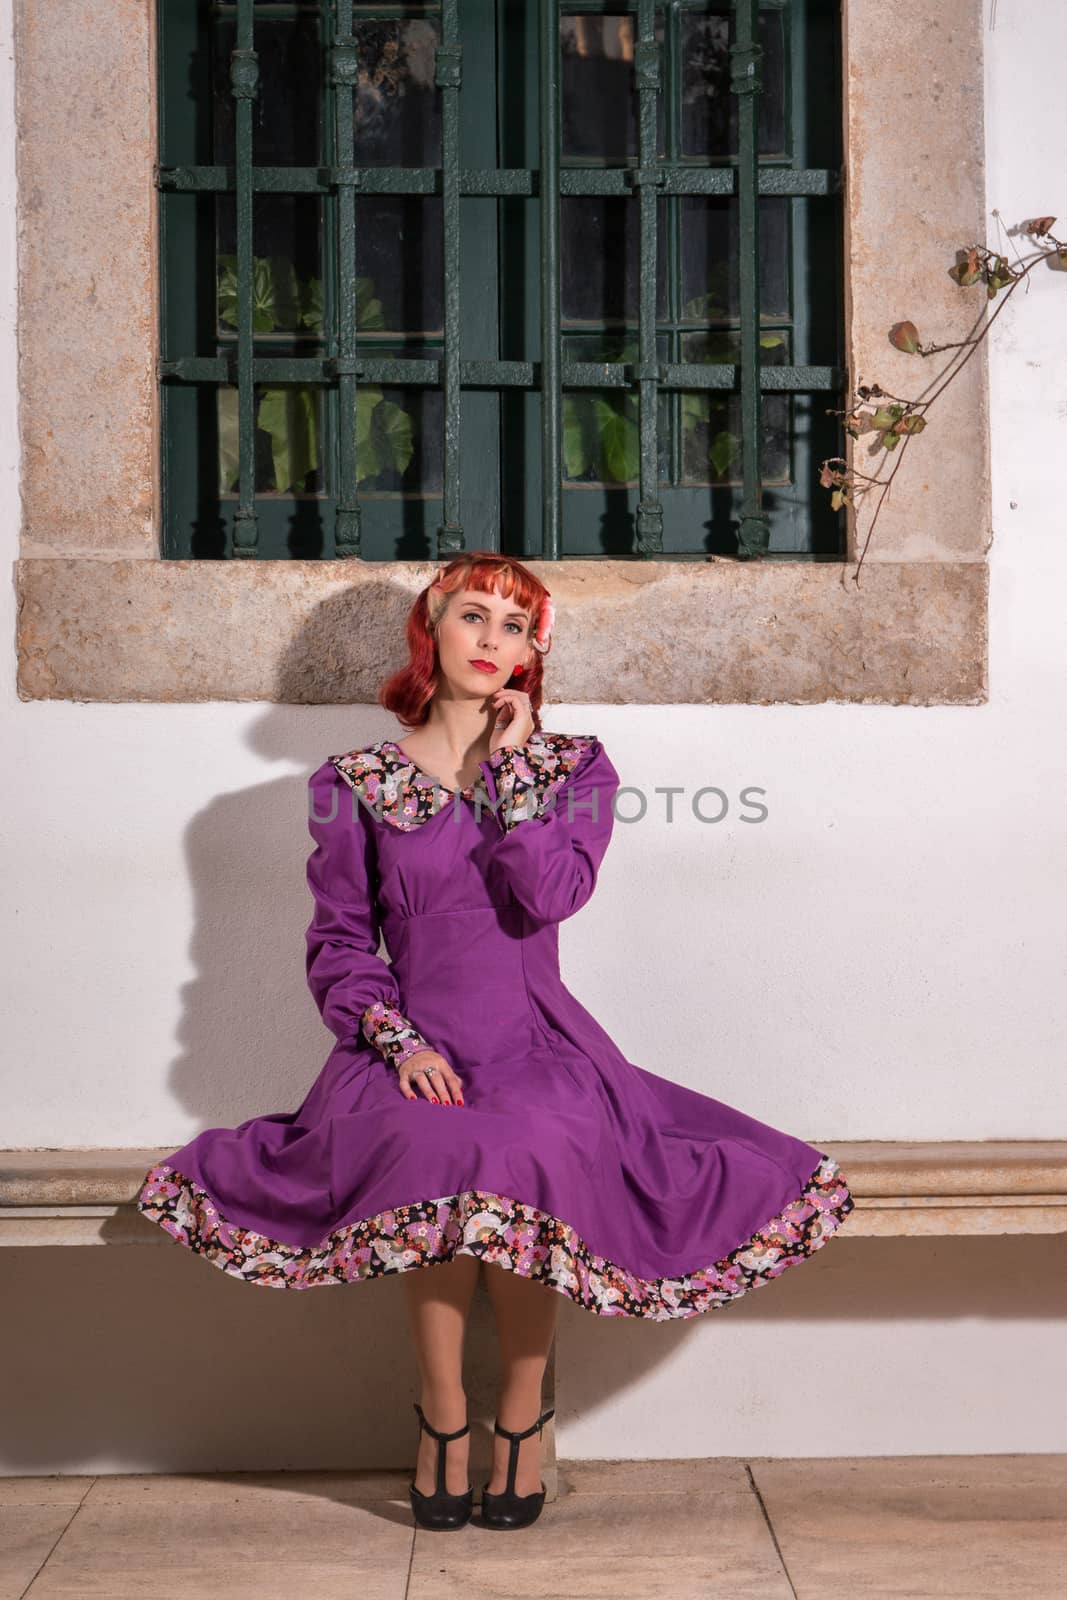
[652, 176]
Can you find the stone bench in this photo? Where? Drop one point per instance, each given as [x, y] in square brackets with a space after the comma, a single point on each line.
[900, 1188]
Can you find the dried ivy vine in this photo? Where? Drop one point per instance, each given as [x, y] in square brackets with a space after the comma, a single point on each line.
[894, 421]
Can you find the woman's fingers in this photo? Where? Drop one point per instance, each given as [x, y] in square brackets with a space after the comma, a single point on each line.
[413, 1085]
[447, 1086]
[514, 715]
[443, 1085]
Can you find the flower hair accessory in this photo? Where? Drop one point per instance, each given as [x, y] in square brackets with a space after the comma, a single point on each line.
[542, 639]
[436, 597]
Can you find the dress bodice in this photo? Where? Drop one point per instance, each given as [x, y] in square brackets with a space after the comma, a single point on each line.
[467, 886]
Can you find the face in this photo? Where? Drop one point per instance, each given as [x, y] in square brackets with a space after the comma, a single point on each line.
[482, 627]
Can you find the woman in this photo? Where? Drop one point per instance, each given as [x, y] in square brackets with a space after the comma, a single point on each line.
[571, 1168]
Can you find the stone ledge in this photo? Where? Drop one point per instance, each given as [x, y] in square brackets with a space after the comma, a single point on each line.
[666, 632]
[901, 1188]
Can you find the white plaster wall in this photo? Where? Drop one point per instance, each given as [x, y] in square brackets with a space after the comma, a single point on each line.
[884, 957]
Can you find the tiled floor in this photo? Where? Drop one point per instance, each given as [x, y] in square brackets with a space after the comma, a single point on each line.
[979, 1527]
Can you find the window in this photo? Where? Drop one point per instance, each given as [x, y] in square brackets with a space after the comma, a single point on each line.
[384, 336]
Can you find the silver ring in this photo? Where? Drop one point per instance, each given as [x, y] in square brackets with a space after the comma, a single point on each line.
[427, 1072]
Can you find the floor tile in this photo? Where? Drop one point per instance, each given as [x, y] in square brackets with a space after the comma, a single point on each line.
[696, 1546]
[28, 1533]
[300, 1536]
[921, 1527]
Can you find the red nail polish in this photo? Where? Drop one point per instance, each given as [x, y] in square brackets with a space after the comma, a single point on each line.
[433, 1097]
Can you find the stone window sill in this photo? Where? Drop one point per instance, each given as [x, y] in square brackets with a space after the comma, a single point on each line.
[655, 633]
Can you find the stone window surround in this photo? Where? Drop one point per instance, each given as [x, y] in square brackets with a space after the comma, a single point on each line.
[102, 617]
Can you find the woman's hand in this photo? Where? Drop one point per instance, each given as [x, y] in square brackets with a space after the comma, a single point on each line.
[445, 1085]
[514, 722]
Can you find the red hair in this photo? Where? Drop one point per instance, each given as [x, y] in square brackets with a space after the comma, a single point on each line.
[409, 692]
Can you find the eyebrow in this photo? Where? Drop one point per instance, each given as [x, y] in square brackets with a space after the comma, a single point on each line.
[482, 607]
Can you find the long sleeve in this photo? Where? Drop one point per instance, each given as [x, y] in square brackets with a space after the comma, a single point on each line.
[353, 987]
[553, 832]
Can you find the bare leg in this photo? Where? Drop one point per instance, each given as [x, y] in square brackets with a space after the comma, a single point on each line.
[525, 1314]
[438, 1299]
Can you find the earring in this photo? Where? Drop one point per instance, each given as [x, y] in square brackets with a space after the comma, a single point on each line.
[519, 668]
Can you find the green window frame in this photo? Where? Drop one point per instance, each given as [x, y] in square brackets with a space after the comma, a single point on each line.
[678, 427]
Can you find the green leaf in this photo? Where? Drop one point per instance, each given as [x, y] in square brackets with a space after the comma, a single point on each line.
[229, 453]
[311, 303]
[722, 452]
[284, 292]
[369, 312]
[385, 435]
[619, 443]
[886, 416]
[368, 461]
[694, 410]
[227, 290]
[394, 433]
[289, 416]
[263, 319]
[266, 296]
[576, 455]
[367, 397]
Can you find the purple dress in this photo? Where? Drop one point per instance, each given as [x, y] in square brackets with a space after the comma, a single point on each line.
[625, 1191]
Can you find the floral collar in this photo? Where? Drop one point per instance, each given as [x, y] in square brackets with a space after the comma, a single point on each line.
[402, 795]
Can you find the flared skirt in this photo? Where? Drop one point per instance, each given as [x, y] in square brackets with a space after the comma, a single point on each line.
[628, 1193]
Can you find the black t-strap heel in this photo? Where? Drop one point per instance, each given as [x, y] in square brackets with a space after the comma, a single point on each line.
[441, 1511]
[508, 1509]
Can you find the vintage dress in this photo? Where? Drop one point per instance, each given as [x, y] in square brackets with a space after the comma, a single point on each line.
[627, 1192]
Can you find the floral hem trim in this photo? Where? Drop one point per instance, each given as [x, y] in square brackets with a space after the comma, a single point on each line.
[501, 1230]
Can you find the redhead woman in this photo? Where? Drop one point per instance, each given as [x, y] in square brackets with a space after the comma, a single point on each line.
[567, 1169]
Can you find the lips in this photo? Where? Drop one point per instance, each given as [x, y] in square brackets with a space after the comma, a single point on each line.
[484, 666]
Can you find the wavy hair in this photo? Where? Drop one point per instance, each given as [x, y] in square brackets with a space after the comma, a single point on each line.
[409, 692]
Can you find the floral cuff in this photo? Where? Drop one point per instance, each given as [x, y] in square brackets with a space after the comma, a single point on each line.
[390, 1032]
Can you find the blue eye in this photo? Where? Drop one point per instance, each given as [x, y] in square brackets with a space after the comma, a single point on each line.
[478, 617]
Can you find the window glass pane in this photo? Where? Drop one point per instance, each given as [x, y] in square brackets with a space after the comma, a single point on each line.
[288, 437]
[598, 91]
[709, 110]
[399, 440]
[711, 280]
[400, 252]
[600, 258]
[398, 108]
[285, 111]
[601, 427]
[400, 437]
[711, 420]
[287, 256]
